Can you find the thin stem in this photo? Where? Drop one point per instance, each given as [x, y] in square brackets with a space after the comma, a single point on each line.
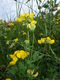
[46, 29]
[28, 6]
[33, 37]
[28, 35]
[58, 59]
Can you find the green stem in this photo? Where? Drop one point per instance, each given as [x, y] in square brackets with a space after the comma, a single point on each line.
[28, 35]
[46, 29]
[33, 37]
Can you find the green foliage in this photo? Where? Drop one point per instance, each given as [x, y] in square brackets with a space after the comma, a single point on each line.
[43, 59]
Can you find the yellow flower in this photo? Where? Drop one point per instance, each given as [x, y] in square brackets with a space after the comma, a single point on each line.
[48, 38]
[14, 59]
[18, 51]
[22, 54]
[8, 79]
[17, 54]
[31, 16]
[52, 41]
[24, 17]
[33, 22]
[39, 41]
[16, 40]
[10, 24]
[43, 40]
[21, 18]
[12, 63]
[18, 19]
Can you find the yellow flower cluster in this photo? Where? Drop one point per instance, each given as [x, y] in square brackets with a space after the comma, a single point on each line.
[19, 54]
[11, 24]
[27, 19]
[46, 40]
[24, 16]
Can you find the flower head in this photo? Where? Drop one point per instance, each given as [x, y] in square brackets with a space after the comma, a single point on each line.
[46, 40]
[42, 40]
[18, 19]
[39, 41]
[33, 22]
[10, 24]
[19, 54]
[26, 18]
[22, 54]
[52, 41]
